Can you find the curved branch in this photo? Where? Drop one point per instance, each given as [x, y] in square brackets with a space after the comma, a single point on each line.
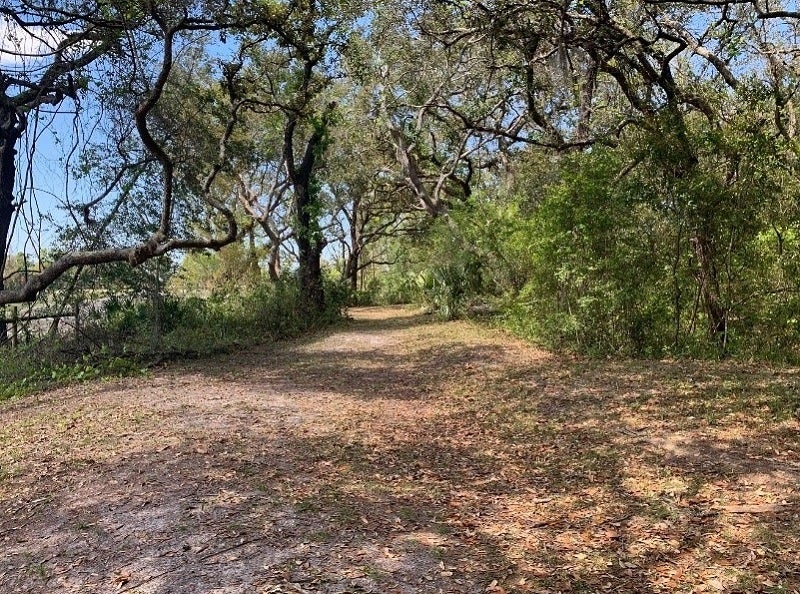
[703, 52]
[140, 117]
[135, 255]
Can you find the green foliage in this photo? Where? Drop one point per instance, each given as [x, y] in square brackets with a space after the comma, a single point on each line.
[337, 297]
[269, 311]
[120, 342]
[475, 253]
[447, 287]
[222, 273]
[393, 285]
[613, 263]
[32, 369]
[598, 252]
[585, 240]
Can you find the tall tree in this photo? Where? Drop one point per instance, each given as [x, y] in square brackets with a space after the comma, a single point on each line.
[44, 52]
[145, 40]
[289, 70]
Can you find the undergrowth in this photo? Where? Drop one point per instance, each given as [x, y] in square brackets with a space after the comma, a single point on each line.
[128, 335]
[25, 371]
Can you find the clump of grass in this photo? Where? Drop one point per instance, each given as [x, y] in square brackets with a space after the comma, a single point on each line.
[29, 370]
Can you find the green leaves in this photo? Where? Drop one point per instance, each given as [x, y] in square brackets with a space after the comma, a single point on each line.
[32, 375]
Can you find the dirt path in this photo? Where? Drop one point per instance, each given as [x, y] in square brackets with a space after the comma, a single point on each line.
[396, 455]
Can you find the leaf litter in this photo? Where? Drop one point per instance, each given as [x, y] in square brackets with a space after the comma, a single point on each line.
[399, 455]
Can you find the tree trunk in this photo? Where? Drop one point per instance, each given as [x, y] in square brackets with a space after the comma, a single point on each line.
[354, 258]
[708, 284]
[309, 236]
[310, 245]
[311, 287]
[10, 130]
[274, 264]
[351, 272]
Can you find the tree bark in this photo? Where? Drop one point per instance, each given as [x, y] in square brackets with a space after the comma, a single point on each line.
[310, 246]
[309, 236]
[351, 272]
[708, 284]
[11, 126]
[354, 259]
[275, 241]
[274, 264]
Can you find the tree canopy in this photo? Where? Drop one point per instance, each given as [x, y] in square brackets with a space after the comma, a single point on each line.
[623, 172]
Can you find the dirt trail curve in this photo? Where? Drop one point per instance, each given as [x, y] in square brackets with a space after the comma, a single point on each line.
[399, 455]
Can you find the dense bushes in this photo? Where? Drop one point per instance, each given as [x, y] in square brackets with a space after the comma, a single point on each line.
[269, 311]
[634, 250]
[127, 333]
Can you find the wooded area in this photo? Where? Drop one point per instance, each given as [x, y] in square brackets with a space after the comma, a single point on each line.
[229, 198]
[611, 176]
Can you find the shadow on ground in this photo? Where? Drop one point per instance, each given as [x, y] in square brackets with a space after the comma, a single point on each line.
[437, 458]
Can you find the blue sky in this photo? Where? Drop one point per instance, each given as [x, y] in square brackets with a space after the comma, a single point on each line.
[50, 147]
[41, 180]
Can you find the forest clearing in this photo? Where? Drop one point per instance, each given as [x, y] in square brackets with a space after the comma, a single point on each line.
[396, 453]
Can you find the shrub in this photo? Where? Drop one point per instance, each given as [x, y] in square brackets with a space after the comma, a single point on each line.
[130, 334]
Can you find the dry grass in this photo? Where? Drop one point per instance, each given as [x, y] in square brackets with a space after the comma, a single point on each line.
[401, 455]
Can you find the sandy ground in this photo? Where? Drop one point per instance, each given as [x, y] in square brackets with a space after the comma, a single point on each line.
[399, 455]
